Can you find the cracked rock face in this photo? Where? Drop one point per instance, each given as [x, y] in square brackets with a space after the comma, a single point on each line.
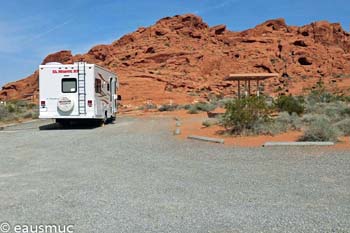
[181, 59]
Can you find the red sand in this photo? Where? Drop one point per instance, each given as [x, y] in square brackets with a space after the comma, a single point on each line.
[191, 124]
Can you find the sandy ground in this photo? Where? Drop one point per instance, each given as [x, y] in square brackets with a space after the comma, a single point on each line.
[191, 124]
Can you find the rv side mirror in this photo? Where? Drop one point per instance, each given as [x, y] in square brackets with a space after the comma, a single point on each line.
[119, 97]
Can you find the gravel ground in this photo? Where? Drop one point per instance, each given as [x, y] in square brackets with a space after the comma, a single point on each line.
[135, 176]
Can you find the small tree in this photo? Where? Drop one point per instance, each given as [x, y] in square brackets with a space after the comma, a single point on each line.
[242, 114]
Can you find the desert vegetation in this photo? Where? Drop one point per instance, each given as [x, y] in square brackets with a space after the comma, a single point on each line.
[321, 116]
[190, 108]
[17, 110]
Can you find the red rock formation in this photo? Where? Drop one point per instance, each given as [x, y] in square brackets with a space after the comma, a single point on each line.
[181, 58]
[64, 57]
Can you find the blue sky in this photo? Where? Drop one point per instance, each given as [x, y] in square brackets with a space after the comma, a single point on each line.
[29, 30]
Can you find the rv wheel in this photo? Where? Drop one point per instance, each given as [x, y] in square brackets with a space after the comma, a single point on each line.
[105, 119]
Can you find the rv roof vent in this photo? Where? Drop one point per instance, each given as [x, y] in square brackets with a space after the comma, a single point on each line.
[53, 63]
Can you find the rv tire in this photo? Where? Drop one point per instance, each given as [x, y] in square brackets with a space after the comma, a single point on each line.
[105, 120]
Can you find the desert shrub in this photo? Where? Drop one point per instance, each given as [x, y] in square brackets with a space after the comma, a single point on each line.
[147, 107]
[205, 107]
[320, 129]
[201, 107]
[308, 118]
[209, 122]
[192, 110]
[242, 114]
[11, 107]
[35, 115]
[290, 121]
[27, 115]
[282, 123]
[335, 111]
[268, 127]
[4, 113]
[295, 122]
[168, 107]
[32, 106]
[186, 106]
[320, 96]
[343, 126]
[345, 113]
[15, 110]
[289, 104]
[346, 99]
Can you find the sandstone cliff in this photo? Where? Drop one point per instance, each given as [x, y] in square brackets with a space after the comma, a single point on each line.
[181, 58]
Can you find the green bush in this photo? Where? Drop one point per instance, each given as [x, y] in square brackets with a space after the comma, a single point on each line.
[209, 122]
[289, 104]
[346, 112]
[3, 112]
[290, 121]
[201, 107]
[11, 108]
[282, 123]
[27, 115]
[186, 106]
[167, 107]
[15, 110]
[320, 129]
[335, 111]
[147, 107]
[205, 107]
[192, 110]
[242, 114]
[270, 127]
[320, 96]
[308, 118]
[222, 102]
[343, 126]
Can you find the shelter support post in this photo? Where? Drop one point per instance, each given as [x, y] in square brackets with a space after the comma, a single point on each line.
[249, 88]
[239, 89]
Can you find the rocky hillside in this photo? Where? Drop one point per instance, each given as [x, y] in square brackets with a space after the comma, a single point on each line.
[181, 58]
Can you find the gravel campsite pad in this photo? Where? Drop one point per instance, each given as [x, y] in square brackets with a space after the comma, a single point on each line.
[135, 176]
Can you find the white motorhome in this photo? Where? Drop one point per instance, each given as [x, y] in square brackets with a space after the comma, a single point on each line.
[77, 91]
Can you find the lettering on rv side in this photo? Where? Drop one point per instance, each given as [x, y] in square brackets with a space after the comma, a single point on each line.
[64, 71]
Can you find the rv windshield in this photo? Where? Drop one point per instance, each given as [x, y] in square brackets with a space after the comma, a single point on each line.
[69, 85]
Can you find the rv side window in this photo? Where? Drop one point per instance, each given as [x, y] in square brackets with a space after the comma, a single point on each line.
[69, 85]
[98, 86]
